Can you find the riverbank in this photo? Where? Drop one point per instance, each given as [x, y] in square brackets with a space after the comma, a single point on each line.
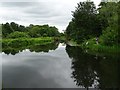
[26, 41]
[102, 49]
[72, 43]
[91, 46]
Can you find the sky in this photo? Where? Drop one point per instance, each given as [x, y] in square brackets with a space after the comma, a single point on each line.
[39, 12]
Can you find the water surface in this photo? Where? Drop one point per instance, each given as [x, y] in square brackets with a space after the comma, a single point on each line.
[58, 66]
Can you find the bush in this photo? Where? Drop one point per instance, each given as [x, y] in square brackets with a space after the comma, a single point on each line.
[17, 34]
[18, 42]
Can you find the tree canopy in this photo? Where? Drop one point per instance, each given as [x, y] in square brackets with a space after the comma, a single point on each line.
[84, 22]
[109, 11]
[89, 22]
[14, 30]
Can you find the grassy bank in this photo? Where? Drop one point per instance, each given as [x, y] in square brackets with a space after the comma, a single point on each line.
[26, 41]
[91, 46]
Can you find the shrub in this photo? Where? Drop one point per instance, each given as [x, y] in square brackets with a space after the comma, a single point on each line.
[17, 34]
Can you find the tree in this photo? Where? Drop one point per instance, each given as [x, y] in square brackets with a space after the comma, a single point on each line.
[109, 11]
[22, 28]
[32, 30]
[17, 34]
[43, 31]
[53, 31]
[70, 31]
[6, 29]
[84, 23]
[14, 26]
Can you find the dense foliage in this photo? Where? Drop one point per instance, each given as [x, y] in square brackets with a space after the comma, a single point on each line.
[18, 42]
[84, 22]
[13, 30]
[110, 34]
[17, 34]
[89, 22]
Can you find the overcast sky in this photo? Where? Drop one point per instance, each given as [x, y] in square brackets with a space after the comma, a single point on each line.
[53, 12]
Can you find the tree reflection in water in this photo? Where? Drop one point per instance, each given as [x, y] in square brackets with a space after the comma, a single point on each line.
[92, 70]
[33, 48]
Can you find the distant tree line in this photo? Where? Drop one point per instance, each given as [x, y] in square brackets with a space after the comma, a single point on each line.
[89, 22]
[14, 30]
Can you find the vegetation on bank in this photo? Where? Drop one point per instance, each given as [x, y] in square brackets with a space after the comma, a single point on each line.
[17, 35]
[14, 30]
[26, 41]
[44, 47]
[15, 45]
[96, 29]
[91, 28]
[92, 46]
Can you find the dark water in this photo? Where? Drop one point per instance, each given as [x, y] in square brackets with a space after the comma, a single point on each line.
[58, 66]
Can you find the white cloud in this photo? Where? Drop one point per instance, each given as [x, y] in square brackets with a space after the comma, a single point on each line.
[52, 12]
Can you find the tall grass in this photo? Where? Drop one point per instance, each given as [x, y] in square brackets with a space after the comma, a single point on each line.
[100, 48]
[26, 41]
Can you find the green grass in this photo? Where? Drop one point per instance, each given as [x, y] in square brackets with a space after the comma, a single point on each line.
[26, 41]
[91, 46]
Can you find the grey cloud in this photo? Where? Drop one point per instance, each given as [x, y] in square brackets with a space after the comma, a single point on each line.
[18, 4]
[43, 9]
[42, 12]
[11, 18]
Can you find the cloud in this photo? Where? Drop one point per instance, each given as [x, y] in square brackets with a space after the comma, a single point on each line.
[16, 4]
[53, 12]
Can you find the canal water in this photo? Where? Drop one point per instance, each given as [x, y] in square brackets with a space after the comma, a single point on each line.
[58, 66]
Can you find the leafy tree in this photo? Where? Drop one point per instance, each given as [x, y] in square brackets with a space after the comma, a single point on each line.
[53, 31]
[84, 24]
[110, 33]
[88, 23]
[6, 29]
[22, 28]
[14, 26]
[32, 30]
[17, 34]
[45, 30]
[70, 31]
